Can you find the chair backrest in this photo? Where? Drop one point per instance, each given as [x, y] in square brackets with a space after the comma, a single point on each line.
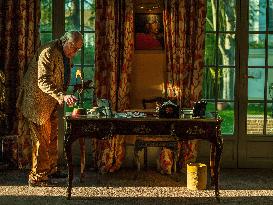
[156, 101]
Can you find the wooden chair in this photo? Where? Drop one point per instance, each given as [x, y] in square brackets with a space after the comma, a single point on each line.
[154, 141]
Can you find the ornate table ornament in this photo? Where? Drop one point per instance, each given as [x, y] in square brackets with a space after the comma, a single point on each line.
[169, 110]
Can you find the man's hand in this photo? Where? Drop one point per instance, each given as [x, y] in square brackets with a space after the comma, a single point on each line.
[70, 100]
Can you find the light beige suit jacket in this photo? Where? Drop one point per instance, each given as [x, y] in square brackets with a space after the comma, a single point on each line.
[42, 86]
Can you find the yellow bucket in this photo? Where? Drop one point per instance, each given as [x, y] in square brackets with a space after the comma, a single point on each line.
[196, 176]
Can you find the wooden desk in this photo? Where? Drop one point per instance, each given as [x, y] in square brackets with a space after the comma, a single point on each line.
[183, 129]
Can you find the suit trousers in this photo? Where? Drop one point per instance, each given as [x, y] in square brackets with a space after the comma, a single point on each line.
[44, 148]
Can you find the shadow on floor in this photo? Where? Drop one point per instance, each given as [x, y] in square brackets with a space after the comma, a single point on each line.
[230, 179]
[59, 200]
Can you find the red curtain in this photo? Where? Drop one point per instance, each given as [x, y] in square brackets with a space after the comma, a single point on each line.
[184, 24]
[114, 51]
[184, 35]
[19, 30]
[113, 62]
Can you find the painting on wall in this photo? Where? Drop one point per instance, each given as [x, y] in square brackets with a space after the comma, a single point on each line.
[149, 32]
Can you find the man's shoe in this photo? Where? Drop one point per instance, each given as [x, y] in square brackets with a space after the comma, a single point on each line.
[43, 183]
[58, 174]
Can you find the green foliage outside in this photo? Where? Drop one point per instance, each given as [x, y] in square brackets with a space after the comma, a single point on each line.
[228, 121]
[227, 114]
[215, 54]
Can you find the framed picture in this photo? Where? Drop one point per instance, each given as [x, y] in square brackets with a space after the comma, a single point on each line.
[149, 32]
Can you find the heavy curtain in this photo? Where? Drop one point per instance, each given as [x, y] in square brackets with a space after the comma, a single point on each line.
[19, 31]
[113, 62]
[184, 23]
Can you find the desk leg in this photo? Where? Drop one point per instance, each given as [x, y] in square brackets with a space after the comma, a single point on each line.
[70, 167]
[215, 158]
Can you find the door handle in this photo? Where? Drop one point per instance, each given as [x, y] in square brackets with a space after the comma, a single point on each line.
[248, 76]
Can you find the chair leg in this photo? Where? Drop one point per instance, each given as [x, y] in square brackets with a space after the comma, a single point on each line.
[136, 156]
[174, 164]
[10, 160]
[175, 153]
[145, 159]
[82, 149]
[2, 150]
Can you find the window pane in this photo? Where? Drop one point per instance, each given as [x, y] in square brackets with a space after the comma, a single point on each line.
[226, 112]
[89, 48]
[270, 23]
[269, 110]
[89, 92]
[270, 84]
[269, 124]
[211, 16]
[72, 15]
[73, 75]
[88, 73]
[210, 50]
[255, 118]
[46, 15]
[45, 37]
[256, 52]
[270, 50]
[226, 83]
[227, 11]
[210, 107]
[257, 15]
[256, 77]
[209, 84]
[89, 15]
[77, 58]
[69, 89]
[226, 46]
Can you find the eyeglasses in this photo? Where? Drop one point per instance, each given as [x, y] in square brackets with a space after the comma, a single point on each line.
[73, 47]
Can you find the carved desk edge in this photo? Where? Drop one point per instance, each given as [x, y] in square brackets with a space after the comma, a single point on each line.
[204, 129]
[94, 128]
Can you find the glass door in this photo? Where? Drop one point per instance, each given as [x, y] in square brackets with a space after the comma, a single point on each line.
[256, 88]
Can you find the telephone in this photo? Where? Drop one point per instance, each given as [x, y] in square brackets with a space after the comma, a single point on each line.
[199, 109]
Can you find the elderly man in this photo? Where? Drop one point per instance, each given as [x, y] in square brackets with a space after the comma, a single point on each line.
[43, 90]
